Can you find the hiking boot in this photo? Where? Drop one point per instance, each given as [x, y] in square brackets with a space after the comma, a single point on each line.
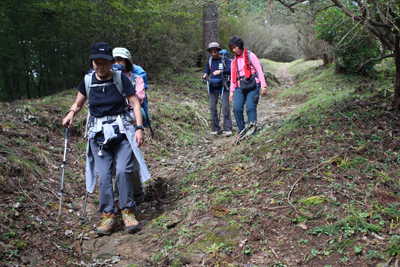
[214, 133]
[109, 223]
[226, 133]
[129, 220]
[139, 198]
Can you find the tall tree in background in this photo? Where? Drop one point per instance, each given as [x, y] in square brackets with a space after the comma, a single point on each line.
[210, 25]
[380, 18]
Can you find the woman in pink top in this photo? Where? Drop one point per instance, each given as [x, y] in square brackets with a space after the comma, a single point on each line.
[245, 66]
[123, 57]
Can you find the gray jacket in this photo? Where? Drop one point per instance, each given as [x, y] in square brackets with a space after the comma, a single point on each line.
[124, 127]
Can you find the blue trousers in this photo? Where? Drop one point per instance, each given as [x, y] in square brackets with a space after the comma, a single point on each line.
[251, 99]
[123, 155]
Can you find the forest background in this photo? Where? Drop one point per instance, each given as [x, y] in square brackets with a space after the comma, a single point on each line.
[45, 45]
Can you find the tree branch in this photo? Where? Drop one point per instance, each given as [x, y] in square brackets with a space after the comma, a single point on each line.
[367, 23]
[374, 59]
[292, 4]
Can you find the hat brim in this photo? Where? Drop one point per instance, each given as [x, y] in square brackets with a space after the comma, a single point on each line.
[95, 56]
[214, 48]
[120, 55]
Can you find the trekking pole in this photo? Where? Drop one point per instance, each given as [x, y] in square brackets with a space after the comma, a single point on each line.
[63, 171]
[84, 207]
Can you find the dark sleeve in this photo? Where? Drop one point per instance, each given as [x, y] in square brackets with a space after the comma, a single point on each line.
[81, 87]
[207, 70]
[127, 85]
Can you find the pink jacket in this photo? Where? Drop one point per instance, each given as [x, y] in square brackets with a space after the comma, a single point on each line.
[139, 87]
[255, 63]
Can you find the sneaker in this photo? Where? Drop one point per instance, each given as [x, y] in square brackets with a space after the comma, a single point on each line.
[109, 223]
[129, 220]
[226, 133]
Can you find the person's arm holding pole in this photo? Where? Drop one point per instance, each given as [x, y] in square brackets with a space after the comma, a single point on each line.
[75, 108]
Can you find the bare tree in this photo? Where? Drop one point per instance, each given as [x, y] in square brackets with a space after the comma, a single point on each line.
[381, 18]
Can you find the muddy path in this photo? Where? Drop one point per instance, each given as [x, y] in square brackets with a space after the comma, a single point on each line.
[140, 248]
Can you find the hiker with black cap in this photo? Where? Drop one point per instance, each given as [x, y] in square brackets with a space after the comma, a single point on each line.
[123, 58]
[247, 77]
[217, 89]
[110, 137]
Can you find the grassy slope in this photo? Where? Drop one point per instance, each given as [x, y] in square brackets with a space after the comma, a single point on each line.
[324, 192]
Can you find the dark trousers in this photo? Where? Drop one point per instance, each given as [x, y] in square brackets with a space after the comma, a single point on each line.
[226, 111]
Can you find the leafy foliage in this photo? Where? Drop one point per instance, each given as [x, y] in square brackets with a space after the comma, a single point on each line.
[351, 44]
[46, 44]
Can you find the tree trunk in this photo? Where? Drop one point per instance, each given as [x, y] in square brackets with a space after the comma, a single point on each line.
[28, 90]
[337, 66]
[396, 97]
[325, 59]
[210, 26]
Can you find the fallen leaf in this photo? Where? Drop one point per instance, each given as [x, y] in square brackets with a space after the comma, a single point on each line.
[303, 226]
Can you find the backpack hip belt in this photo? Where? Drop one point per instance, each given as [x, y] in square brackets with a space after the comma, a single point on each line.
[98, 122]
[109, 118]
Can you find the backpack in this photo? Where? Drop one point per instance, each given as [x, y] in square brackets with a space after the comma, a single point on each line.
[226, 78]
[137, 70]
[262, 68]
[117, 80]
[140, 71]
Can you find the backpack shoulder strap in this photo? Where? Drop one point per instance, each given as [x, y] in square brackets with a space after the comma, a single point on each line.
[252, 64]
[88, 82]
[132, 79]
[209, 63]
[118, 81]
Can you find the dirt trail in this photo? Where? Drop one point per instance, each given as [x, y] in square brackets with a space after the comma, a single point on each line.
[269, 107]
[142, 245]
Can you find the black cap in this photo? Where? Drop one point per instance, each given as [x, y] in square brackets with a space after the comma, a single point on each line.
[101, 50]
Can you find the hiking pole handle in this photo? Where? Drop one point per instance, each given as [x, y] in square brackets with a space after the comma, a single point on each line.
[67, 130]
